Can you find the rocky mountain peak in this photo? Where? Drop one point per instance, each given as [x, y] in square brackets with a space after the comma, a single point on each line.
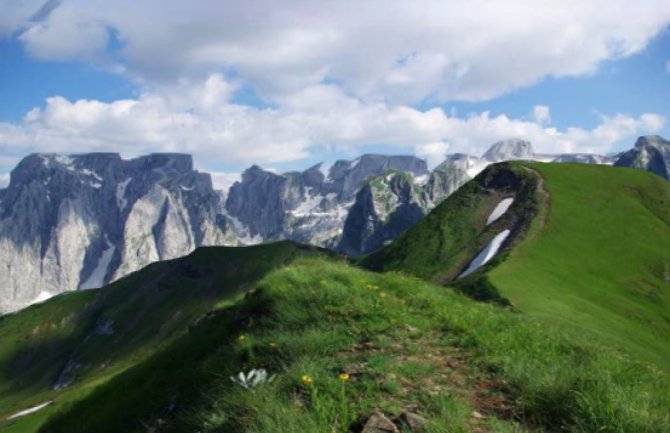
[177, 162]
[651, 153]
[510, 149]
[347, 176]
[651, 140]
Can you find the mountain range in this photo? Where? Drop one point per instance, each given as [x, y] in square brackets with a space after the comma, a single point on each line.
[71, 222]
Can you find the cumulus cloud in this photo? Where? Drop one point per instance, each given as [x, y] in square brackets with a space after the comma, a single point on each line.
[434, 153]
[392, 52]
[200, 118]
[541, 114]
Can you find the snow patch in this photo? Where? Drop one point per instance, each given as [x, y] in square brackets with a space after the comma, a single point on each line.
[309, 205]
[486, 254]
[97, 277]
[354, 163]
[421, 180]
[43, 296]
[186, 188]
[64, 160]
[88, 172]
[30, 410]
[500, 210]
[121, 192]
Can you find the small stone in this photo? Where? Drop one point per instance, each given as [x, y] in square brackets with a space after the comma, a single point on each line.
[410, 329]
[414, 421]
[477, 415]
[378, 423]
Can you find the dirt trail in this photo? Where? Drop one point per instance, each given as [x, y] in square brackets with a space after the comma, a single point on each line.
[544, 197]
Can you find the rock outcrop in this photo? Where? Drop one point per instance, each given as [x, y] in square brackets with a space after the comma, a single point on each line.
[651, 153]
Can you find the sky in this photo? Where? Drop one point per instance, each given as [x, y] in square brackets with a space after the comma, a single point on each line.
[289, 84]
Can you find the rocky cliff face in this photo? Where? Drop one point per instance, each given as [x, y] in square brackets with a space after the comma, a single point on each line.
[308, 206]
[81, 221]
[651, 153]
[385, 206]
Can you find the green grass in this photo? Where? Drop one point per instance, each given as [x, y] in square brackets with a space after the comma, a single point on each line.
[599, 263]
[595, 258]
[149, 309]
[405, 343]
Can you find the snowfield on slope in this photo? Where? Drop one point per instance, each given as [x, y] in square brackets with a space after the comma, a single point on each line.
[500, 210]
[486, 254]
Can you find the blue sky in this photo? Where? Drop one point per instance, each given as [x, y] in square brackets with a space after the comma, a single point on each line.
[304, 84]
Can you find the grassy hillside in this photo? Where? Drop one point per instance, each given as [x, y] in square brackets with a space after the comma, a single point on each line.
[601, 262]
[81, 339]
[402, 343]
[596, 258]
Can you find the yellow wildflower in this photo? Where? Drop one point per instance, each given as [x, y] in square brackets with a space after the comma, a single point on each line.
[242, 337]
[307, 379]
[344, 377]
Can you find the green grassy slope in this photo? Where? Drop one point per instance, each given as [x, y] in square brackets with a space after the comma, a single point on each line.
[143, 312]
[594, 258]
[404, 344]
[601, 263]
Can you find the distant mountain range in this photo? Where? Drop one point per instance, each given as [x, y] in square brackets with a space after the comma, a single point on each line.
[81, 221]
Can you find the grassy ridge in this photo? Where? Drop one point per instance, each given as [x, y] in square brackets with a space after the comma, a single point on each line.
[602, 261]
[144, 312]
[403, 342]
[596, 259]
[443, 243]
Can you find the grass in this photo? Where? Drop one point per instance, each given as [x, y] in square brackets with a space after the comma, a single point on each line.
[595, 258]
[148, 310]
[404, 343]
[600, 262]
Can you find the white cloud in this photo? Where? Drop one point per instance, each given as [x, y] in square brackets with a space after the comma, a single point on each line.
[222, 181]
[201, 119]
[542, 114]
[393, 52]
[434, 153]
